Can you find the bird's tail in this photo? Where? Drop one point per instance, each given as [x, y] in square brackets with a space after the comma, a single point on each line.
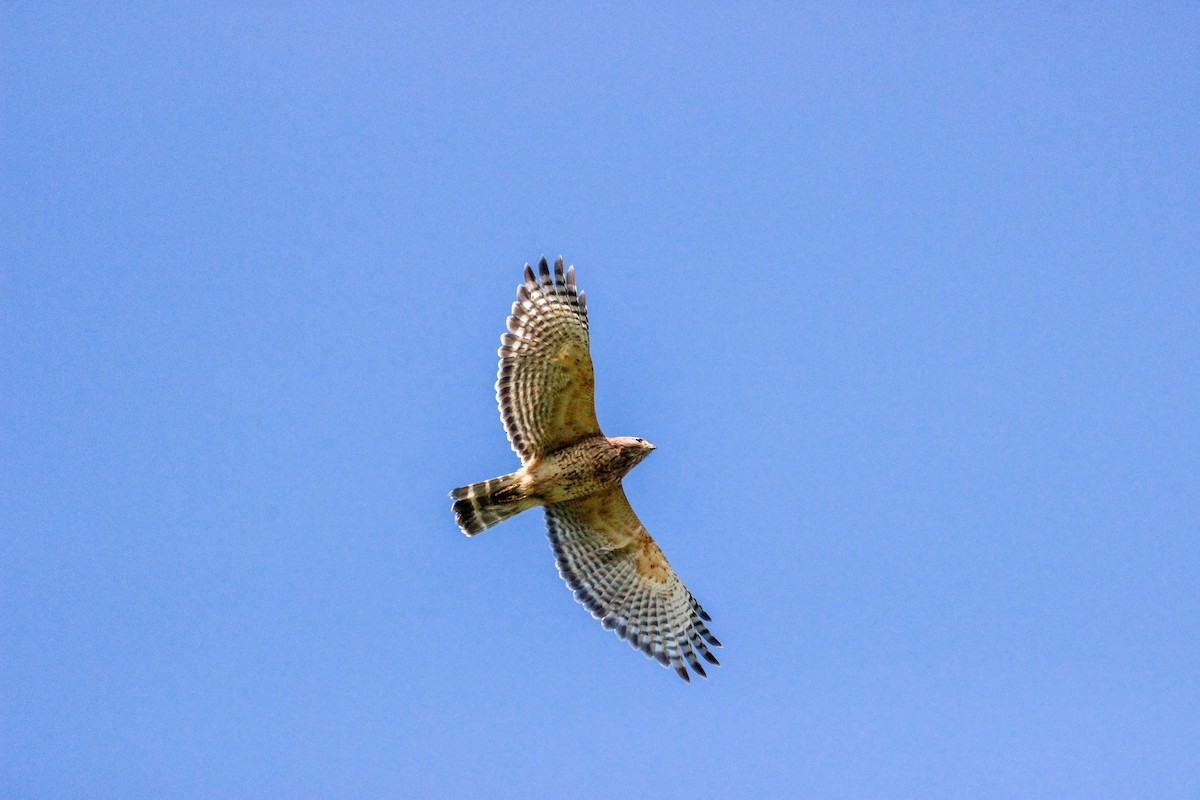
[482, 505]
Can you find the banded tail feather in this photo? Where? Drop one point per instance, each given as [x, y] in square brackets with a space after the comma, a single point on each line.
[481, 505]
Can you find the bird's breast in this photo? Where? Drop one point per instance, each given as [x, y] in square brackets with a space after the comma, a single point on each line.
[574, 471]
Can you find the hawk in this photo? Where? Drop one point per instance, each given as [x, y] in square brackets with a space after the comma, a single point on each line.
[569, 467]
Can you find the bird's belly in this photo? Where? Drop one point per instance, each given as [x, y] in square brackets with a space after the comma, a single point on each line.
[573, 472]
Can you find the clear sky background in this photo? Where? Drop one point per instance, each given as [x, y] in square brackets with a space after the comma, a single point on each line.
[909, 300]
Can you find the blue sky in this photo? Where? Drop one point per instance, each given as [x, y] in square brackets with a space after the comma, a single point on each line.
[908, 298]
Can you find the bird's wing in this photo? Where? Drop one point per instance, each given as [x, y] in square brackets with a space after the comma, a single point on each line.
[546, 386]
[621, 576]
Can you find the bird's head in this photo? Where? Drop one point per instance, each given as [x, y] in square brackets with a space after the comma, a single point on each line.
[632, 448]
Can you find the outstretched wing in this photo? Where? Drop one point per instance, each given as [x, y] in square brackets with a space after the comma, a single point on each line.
[546, 386]
[621, 576]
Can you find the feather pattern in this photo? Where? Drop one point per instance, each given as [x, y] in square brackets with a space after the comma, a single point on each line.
[545, 386]
[615, 569]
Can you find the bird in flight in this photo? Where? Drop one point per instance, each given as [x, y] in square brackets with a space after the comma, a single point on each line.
[569, 467]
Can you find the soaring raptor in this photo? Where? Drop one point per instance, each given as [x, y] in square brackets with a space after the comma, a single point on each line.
[571, 469]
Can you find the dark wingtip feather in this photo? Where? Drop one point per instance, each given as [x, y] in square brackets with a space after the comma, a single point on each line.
[529, 274]
[559, 278]
[544, 271]
[682, 672]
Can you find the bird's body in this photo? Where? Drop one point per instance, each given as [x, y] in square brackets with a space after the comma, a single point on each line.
[585, 467]
[545, 393]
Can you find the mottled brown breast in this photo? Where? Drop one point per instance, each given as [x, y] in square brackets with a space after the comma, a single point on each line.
[579, 469]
